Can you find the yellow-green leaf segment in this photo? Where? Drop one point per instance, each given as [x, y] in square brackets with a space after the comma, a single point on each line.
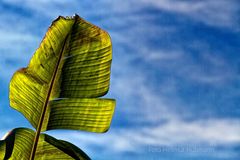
[69, 71]
[18, 145]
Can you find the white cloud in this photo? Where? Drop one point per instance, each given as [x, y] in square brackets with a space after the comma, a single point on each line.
[13, 47]
[215, 12]
[163, 55]
[212, 132]
[13, 40]
[208, 69]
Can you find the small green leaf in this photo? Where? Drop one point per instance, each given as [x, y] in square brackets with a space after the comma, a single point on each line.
[18, 145]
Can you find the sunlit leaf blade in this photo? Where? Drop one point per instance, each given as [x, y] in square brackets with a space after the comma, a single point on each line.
[19, 141]
[84, 114]
[27, 95]
[72, 63]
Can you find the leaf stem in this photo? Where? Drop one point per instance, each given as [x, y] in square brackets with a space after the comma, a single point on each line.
[39, 127]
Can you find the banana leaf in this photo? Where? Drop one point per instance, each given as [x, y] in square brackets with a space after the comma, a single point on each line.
[61, 86]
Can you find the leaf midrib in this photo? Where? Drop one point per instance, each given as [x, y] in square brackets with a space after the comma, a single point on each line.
[39, 127]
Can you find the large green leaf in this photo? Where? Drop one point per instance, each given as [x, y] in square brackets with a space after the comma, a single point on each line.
[18, 144]
[69, 71]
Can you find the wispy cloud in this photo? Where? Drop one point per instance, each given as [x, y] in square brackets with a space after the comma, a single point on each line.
[218, 13]
[45, 8]
[209, 133]
[15, 49]
[215, 13]
[139, 102]
[207, 69]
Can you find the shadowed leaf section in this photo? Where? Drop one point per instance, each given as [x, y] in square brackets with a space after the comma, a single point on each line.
[18, 145]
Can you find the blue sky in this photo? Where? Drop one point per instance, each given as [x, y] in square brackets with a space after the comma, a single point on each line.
[175, 74]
